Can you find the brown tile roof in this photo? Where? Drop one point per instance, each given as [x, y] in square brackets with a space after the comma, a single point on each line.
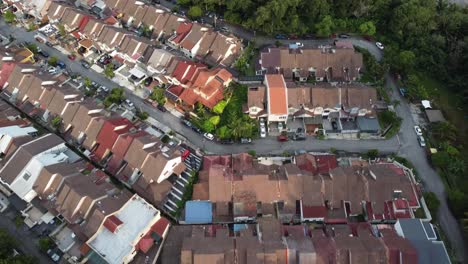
[206, 43]
[134, 46]
[72, 18]
[194, 36]
[93, 28]
[92, 131]
[112, 36]
[139, 150]
[25, 153]
[62, 96]
[151, 16]
[277, 97]
[87, 110]
[224, 50]
[56, 10]
[155, 163]
[52, 176]
[338, 59]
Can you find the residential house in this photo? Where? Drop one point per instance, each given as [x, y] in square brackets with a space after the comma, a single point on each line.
[158, 61]
[35, 8]
[137, 226]
[325, 63]
[108, 134]
[56, 10]
[133, 48]
[381, 192]
[207, 87]
[87, 111]
[223, 50]
[9, 133]
[423, 237]
[182, 30]
[92, 29]
[151, 17]
[277, 99]
[166, 25]
[119, 149]
[73, 19]
[184, 72]
[256, 102]
[191, 43]
[110, 38]
[21, 171]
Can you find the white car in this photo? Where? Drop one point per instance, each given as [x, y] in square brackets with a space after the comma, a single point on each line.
[418, 130]
[208, 136]
[128, 102]
[262, 132]
[299, 44]
[421, 140]
[379, 45]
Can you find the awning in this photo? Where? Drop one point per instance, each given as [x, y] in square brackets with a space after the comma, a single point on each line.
[137, 73]
[426, 104]
[47, 218]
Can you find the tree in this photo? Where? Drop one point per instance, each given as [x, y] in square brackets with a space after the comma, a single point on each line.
[45, 244]
[325, 27]
[432, 202]
[56, 122]
[52, 61]
[219, 107]
[456, 167]
[7, 244]
[372, 153]
[440, 159]
[223, 132]
[406, 61]
[457, 201]
[415, 89]
[116, 96]
[195, 12]
[444, 131]
[214, 120]
[142, 115]
[207, 126]
[158, 95]
[87, 82]
[9, 16]
[109, 71]
[367, 28]
[33, 48]
[61, 30]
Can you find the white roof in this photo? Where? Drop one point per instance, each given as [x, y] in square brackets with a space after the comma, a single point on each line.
[137, 217]
[137, 73]
[426, 104]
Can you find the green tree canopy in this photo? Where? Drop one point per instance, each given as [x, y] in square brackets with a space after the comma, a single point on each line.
[9, 16]
[158, 95]
[195, 12]
[325, 27]
[367, 28]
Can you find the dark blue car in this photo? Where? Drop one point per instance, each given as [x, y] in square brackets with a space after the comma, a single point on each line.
[61, 64]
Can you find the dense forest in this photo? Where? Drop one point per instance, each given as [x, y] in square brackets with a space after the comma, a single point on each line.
[427, 35]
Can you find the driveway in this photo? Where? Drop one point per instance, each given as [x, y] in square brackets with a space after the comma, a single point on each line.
[405, 143]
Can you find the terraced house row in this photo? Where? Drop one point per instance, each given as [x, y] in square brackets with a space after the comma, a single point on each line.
[137, 158]
[96, 221]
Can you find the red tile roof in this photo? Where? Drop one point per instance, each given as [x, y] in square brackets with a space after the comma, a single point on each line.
[120, 149]
[185, 70]
[109, 133]
[182, 30]
[314, 211]
[159, 228]
[112, 223]
[277, 96]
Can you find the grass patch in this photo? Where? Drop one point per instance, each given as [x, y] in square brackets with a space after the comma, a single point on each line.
[389, 122]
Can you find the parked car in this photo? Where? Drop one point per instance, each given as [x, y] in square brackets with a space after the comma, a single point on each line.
[379, 45]
[85, 64]
[187, 123]
[208, 136]
[61, 64]
[283, 138]
[262, 132]
[281, 36]
[161, 108]
[421, 140]
[246, 140]
[196, 129]
[343, 36]
[418, 130]
[226, 141]
[129, 103]
[53, 254]
[72, 57]
[334, 125]
[43, 53]
[148, 81]
[300, 44]
[293, 36]
[299, 137]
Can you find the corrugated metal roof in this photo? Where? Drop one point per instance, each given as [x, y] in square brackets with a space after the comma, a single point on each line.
[198, 212]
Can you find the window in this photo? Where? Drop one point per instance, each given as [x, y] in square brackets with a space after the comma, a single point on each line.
[26, 176]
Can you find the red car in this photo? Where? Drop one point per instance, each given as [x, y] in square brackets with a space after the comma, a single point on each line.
[72, 57]
[283, 138]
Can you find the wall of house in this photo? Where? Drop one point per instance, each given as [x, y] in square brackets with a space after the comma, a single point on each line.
[169, 169]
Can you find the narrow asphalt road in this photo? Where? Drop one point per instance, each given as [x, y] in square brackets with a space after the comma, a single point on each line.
[405, 144]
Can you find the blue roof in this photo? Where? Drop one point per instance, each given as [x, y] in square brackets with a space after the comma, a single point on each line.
[198, 212]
